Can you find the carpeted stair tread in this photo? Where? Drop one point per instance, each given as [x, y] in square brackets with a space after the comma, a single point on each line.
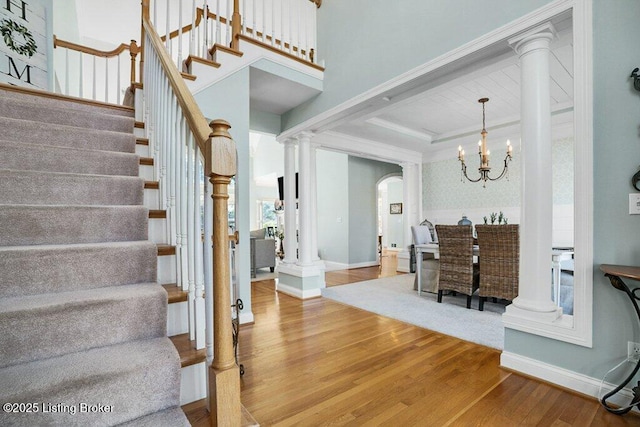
[20, 131]
[54, 188]
[31, 270]
[172, 417]
[38, 225]
[81, 319]
[61, 101]
[136, 378]
[38, 157]
[36, 111]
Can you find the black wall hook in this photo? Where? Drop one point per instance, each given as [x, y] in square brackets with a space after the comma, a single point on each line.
[636, 78]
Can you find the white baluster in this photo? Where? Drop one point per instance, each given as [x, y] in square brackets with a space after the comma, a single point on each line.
[106, 79]
[118, 83]
[81, 80]
[218, 27]
[167, 26]
[229, 17]
[291, 26]
[192, 34]
[66, 69]
[199, 302]
[179, 62]
[244, 16]
[282, 9]
[94, 78]
[190, 234]
[273, 22]
[205, 42]
[155, 14]
[255, 30]
[208, 266]
[264, 20]
[299, 13]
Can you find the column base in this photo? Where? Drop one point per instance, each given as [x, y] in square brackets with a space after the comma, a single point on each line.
[403, 262]
[516, 314]
[301, 282]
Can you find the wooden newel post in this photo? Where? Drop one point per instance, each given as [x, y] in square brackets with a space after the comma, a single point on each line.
[133, 51]
[224, 375]
[236, 25]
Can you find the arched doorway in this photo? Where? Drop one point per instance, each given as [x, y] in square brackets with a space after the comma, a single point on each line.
[390, 223]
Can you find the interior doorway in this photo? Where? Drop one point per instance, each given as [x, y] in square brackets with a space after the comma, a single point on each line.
[390, 223]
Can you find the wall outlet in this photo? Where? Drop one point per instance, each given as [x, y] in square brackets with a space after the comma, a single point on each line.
[633, 351]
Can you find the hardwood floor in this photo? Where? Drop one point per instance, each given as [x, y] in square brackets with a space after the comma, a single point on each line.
[318, 362]
[387, 267]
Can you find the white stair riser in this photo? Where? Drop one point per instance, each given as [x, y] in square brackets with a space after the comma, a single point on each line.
[142, 150]
[151, 198]
[157, 230]
[193, 383]
[146, 172]
[177, 319]
[166, 269]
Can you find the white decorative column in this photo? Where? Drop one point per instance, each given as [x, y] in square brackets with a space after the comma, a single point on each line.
[314, 203]
[534, 296]
[304, 198]
[410, 198]
[290, 226]
[305, 278]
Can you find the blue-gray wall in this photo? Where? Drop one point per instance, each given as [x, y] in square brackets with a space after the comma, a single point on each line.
[228, 99]
[333, 206]
[367, 42]
[364, 175]
[616, 158]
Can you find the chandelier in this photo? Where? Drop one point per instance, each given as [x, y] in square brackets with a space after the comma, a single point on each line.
[484, 168]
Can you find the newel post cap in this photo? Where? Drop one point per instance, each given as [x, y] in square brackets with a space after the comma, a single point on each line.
[220, 150]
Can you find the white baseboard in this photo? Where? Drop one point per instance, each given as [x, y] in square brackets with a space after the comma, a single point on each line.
[246, 318]
[298, 293]
[332, 266]
[364, 264]
[564, 378]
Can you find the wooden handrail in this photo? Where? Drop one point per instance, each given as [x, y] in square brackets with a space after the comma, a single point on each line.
[89, 50]
[195, 119]
[188, 27]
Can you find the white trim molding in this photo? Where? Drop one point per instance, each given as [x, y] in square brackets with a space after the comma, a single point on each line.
[576, 329]
[564, 378]
[298, 293]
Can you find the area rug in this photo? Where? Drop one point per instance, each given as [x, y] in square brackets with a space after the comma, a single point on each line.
[394, 297]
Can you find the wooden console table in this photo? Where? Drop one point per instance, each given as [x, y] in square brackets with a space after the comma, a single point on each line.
[615, 273]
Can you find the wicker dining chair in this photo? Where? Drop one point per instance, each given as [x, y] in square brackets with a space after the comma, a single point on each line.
[457, 271]
[499, 261]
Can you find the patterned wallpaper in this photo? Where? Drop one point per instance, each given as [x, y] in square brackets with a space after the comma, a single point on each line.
[443, 189]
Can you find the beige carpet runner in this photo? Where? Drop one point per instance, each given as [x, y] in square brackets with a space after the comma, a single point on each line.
[82, 318]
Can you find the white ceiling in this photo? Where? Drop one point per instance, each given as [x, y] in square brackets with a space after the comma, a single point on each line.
[433, 115]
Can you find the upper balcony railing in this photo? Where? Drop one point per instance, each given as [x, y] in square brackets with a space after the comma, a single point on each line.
[95, 74]
[288, 26]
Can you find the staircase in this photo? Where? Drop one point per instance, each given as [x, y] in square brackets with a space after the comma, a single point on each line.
[83, 335]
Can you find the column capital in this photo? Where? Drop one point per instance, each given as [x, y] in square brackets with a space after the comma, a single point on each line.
[406, 165]
[289, 141]
[535, 38]
[305, 136]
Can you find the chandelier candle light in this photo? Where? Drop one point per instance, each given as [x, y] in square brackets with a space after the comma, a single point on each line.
[484, 168]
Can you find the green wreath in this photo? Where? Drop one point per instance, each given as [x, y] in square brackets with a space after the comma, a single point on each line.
[8, 28]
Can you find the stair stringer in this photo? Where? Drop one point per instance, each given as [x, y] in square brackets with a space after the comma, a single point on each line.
[252, 54]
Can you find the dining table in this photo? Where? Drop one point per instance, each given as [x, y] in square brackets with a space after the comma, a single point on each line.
[557, 256]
